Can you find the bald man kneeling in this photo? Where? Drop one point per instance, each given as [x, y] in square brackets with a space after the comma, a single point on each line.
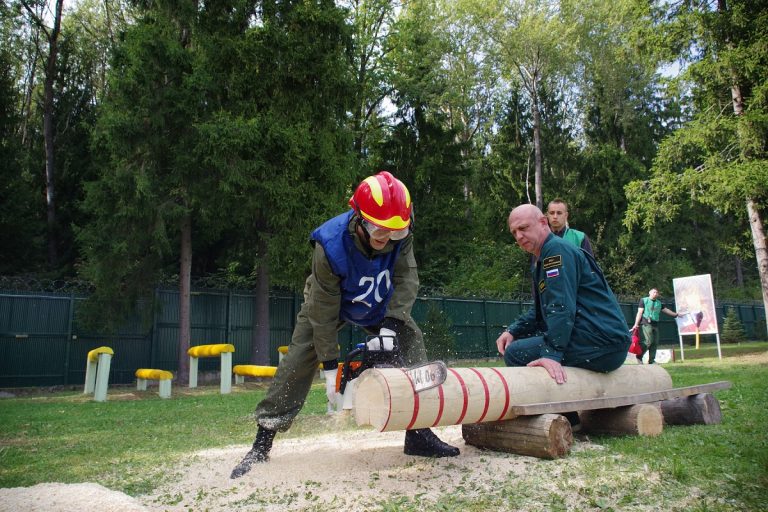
[575, 319]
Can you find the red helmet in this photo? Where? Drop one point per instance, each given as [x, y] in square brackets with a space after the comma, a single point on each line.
[384, 201]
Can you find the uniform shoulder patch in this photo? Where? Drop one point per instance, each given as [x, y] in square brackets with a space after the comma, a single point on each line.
[542, 286]
[552, 262]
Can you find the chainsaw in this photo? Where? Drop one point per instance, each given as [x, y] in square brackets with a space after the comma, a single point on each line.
[423, 376]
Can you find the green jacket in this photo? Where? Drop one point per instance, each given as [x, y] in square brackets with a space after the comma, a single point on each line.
[651, 310]
[576, 237]
[574, 306]
[322, 292]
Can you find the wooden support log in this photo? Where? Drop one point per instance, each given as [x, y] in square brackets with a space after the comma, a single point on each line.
[639, 419]
[547, 436]
[701, 409]
[385, 397]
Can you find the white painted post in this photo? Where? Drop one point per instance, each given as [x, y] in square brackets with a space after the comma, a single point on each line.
[90, 375]
[141, 384]
[226, 373]
[682, 350]
[719, 353]
[239, 379]
[102, 377]
[165, 388]
[192, 372]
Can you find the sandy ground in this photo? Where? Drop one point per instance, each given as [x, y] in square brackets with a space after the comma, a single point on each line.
[351, 471]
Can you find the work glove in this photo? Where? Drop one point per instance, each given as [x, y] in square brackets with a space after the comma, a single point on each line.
[384, 341]
[330, 388]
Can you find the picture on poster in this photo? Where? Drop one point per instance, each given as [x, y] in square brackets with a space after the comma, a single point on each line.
[695, 304]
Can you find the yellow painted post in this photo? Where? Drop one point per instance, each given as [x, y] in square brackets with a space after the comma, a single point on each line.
[97, 365]
[222, 350]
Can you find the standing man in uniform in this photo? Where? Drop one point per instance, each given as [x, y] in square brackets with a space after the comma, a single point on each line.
[363, 273]
[575, 319]
[557, 215]
[648, 312]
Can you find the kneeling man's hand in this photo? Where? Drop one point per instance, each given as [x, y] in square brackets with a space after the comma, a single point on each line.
[555, 369]
[503, 340]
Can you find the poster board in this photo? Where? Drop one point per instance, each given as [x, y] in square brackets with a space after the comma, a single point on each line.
[695, 305]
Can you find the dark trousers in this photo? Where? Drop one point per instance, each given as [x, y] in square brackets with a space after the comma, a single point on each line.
[650, 341]
[296, 372]
[521, 352]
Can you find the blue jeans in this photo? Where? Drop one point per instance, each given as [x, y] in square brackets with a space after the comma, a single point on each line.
[521, 352]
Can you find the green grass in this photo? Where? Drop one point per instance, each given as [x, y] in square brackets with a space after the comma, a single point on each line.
[125, 442]
[66, 437]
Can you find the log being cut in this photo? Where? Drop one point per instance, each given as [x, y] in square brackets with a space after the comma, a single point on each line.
[385, 397]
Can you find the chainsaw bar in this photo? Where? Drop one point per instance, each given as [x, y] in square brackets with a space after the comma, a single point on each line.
[427, 376]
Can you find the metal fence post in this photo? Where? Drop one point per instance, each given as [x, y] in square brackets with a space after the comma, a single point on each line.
[68, 344]
[153, 332]
[485, 323]
[228, 336]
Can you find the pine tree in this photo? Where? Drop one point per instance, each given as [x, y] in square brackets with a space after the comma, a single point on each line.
[733, 331]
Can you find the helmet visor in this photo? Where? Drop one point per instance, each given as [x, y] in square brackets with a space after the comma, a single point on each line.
[381, 234]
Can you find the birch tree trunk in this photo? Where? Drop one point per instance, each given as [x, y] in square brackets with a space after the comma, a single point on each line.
[761, 251]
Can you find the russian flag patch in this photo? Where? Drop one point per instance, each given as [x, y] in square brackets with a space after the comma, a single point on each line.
[553, 272]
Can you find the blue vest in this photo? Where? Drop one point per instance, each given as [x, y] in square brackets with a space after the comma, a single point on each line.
[366, 283]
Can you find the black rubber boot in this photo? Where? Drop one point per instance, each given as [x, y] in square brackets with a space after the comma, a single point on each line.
[259, 452]
[573, 419]
[424, 443]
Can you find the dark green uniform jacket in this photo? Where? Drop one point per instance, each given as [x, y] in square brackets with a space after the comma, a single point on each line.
[574, 309]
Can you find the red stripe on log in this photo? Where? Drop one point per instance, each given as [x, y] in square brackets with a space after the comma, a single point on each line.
[441, 396]
[465, 395]
[506, 394]
[415, 402]
[487, 395]
[389, 413]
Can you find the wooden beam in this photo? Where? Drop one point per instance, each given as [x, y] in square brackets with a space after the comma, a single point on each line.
[616, 401]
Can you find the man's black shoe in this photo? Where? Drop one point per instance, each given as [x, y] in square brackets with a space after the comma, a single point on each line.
[424, 443]
[259, 452]
[639, 360]
[573, 419]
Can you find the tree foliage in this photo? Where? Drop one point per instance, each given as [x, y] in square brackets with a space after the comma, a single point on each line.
[718, 159]
[219, 134]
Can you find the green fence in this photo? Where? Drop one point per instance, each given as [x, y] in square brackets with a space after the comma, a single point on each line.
[42, 343]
